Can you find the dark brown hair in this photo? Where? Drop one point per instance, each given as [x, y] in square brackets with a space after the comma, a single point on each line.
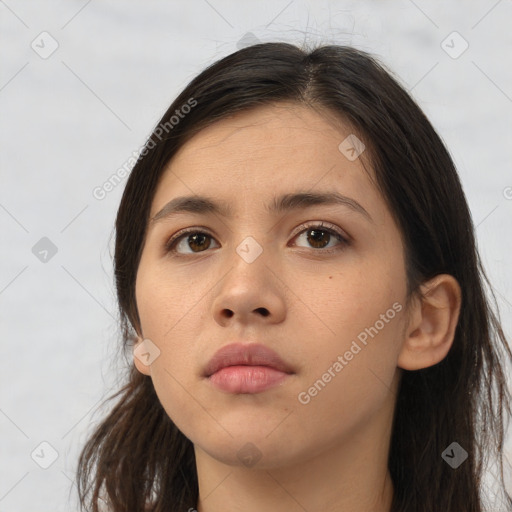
[138, 460]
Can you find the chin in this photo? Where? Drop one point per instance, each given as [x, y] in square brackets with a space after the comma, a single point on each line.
[251, 450]
[248, 455]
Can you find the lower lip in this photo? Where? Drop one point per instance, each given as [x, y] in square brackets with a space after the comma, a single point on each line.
[247, 379]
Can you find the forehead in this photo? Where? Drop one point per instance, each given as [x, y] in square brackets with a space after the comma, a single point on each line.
[256, 155]
[271, 131]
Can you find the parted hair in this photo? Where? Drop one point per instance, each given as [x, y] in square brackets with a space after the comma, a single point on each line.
[136, 459]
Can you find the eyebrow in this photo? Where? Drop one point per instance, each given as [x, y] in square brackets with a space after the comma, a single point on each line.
[204, 205]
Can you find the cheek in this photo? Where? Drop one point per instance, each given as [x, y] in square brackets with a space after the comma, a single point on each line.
[354, 298]
[168, 312]
[357, 334]
[164, 322]
[350, 374]
[162, 299]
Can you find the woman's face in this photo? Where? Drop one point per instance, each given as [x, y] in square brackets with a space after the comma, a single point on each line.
[329, 300]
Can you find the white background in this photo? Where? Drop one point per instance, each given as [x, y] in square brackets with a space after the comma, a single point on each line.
[69, 121]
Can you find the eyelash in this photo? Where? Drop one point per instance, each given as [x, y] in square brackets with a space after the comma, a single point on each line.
[170, 246]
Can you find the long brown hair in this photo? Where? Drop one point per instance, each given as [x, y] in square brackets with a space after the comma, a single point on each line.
[138, 460]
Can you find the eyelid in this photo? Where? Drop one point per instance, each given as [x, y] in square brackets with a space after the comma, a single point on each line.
[322, 225]
[186, 231]
[343, 237]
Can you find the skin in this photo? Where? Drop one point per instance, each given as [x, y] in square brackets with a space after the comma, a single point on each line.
[331, 453]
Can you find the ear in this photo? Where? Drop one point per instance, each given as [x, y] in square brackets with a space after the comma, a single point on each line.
[432, 322]
[139, 349]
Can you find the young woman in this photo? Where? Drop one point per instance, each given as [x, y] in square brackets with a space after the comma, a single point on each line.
[298, 280]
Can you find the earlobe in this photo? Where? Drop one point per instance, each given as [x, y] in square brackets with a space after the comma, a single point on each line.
[433, 320]
[138, 350]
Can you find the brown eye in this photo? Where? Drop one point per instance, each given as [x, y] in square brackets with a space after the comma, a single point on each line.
[319, 237]
[196, 241]
[199, 241]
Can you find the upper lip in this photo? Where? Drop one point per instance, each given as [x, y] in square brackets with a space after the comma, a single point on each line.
[252, 354]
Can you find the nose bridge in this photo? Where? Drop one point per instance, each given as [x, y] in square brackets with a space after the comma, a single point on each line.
[250, 249]
[249, 228]
[250, 287]
[249, 264]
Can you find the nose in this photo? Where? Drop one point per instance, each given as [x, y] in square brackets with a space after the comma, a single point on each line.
[250, 292]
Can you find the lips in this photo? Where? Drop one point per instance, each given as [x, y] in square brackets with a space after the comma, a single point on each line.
[246, 368]
[238, 354]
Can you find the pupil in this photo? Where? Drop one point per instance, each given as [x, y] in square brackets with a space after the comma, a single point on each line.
[315, 239]
[317, 236]
[194, 238]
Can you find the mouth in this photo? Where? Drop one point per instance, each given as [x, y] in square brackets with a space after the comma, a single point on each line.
[246, 368]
